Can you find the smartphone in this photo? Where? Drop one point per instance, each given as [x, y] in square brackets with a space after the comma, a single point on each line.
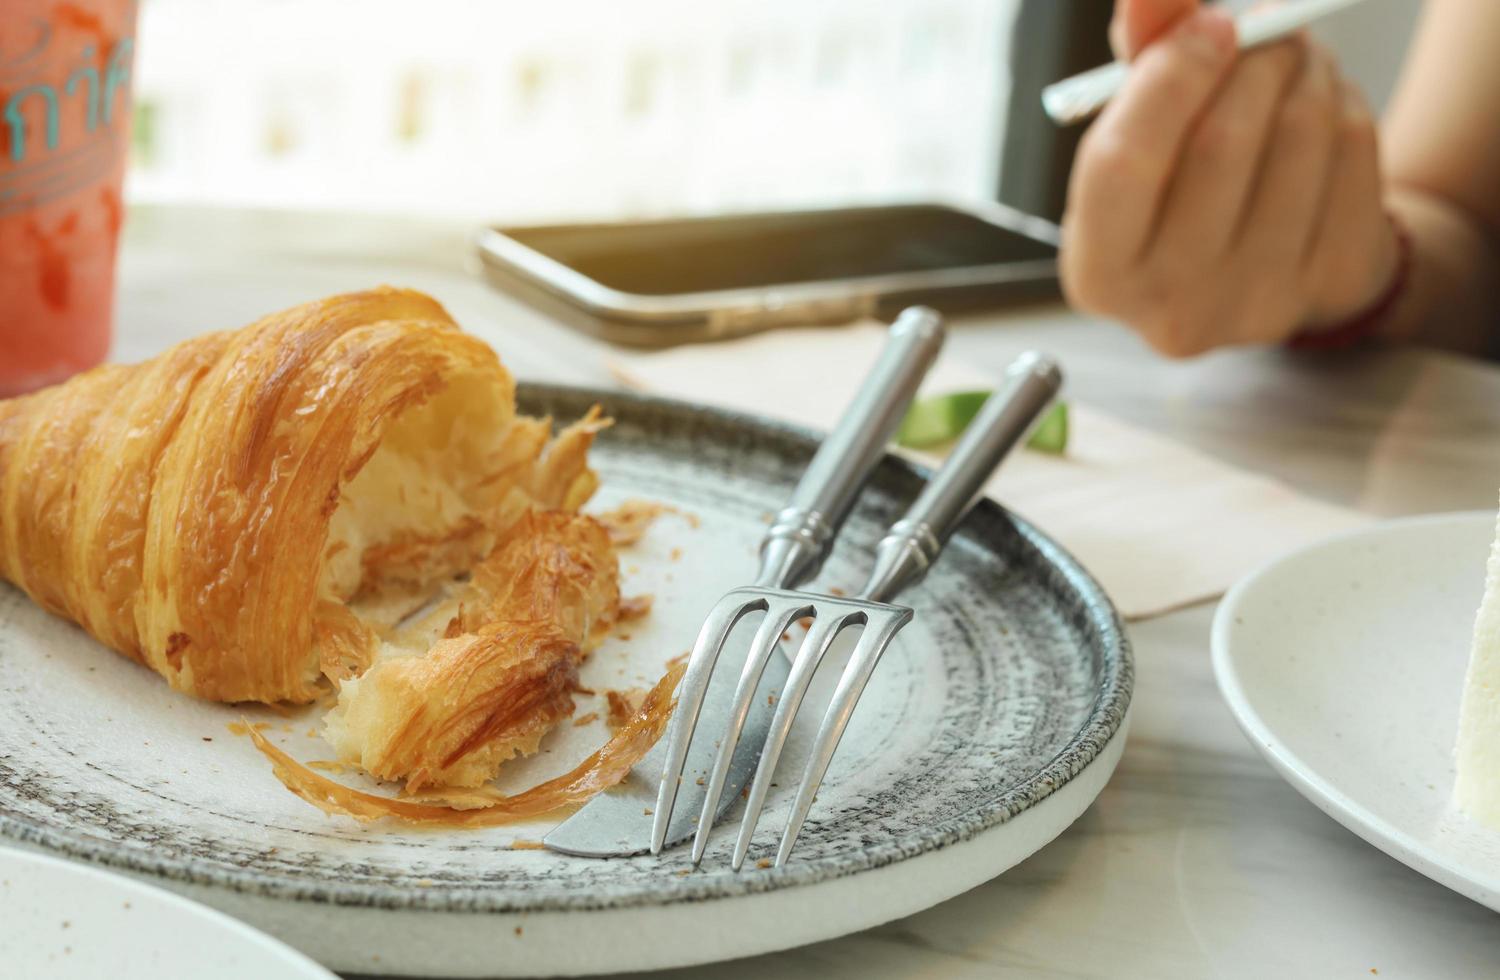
[655, 283]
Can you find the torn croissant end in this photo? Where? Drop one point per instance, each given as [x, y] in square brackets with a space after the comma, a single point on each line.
[605, 768]
[446, 715]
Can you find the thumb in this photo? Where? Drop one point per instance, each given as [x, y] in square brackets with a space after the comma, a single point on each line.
[1137, 23]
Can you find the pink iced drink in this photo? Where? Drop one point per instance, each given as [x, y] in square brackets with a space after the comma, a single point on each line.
[64, 128]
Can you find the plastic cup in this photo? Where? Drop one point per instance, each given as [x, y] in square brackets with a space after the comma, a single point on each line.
[65, 68]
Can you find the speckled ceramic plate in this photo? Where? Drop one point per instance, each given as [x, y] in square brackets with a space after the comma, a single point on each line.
[990, 726]
[60, 919]
[1344, 664]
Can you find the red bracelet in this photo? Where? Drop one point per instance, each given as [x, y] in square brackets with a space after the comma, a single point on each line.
[1362, 327]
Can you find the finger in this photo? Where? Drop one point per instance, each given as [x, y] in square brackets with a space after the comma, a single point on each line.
[1224, 154]
[1136, 23]
[1346, 272]
[1282, 214]
[1127, 156]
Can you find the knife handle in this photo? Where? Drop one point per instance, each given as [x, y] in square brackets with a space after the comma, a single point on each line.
[802, 534]
[914, 542]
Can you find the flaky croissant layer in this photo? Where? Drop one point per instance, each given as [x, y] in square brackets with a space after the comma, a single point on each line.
[505, 670]
[212, 512]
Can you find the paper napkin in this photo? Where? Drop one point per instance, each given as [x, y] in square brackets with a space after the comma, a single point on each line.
[1160, 525]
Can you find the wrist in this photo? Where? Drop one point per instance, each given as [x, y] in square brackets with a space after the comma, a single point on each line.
[1366, 323]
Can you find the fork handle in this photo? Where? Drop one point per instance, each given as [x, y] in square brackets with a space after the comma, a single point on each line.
[914, 542]
[802, 534]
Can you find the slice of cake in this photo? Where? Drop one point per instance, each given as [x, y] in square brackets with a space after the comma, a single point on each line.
[1477, 787]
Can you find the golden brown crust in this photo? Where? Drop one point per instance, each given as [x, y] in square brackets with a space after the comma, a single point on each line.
[554, 567]
[179, 509]
[76, 471]
[233, 547]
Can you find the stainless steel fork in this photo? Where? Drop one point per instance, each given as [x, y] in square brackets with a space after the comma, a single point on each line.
[620, 822]
[902, 558]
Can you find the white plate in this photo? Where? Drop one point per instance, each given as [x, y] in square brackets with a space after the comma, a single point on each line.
[1344, 664]
[991, 724]
[59, 919]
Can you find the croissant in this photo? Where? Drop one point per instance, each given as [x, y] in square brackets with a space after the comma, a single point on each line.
[210, 512]
[340, 496]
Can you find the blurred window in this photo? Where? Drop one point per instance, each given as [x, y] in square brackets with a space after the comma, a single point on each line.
[570, 109]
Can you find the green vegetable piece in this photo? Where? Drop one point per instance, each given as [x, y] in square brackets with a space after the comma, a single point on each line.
[1051, 433]
[935, 421]
[942, 419]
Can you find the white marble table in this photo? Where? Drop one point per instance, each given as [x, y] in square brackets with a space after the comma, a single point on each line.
[1197, 860]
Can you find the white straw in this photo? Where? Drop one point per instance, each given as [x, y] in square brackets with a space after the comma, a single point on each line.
[1075, 99]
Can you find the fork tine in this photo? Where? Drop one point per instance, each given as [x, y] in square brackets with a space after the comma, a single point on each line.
[819, 638]
[716, 627]
[761, 650]
[872, 644]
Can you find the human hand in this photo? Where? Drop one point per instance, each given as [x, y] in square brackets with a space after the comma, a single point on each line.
[1225, 198]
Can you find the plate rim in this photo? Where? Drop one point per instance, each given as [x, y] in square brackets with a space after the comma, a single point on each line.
[680, 935]
[1304, 778]
[1111, 702]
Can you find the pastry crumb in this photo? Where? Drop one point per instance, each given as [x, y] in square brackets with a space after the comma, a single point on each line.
[635, 607]
[527, 845]
[592, 716]
[630, 521]
[763, 863]
[623, 705]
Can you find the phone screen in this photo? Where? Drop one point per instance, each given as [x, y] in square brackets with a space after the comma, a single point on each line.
[663, 258]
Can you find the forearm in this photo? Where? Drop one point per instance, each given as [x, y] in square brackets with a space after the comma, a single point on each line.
[1441, 156]
[1450, 299]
